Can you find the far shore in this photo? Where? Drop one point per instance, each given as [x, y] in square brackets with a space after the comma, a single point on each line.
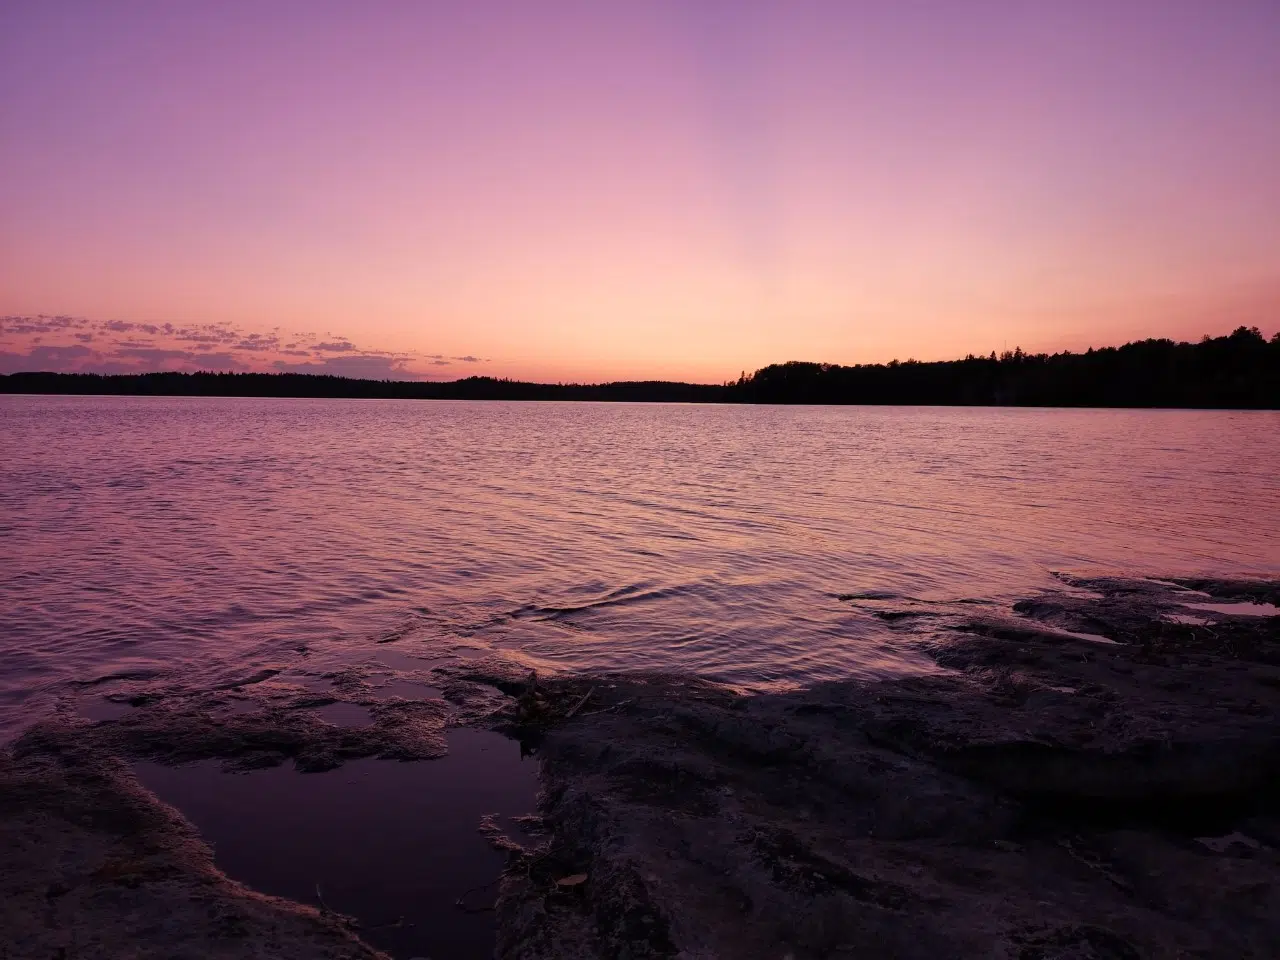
[1240, 371]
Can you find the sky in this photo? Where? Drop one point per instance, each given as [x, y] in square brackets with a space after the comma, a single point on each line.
[588, 191]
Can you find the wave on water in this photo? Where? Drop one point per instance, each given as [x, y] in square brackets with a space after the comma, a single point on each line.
[766, 547]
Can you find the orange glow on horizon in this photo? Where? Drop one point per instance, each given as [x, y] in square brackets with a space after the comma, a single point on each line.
[633, 192]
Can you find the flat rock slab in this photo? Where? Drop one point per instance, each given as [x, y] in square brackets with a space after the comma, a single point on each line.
[1092, 775]
[94, 867]
[1048, 797]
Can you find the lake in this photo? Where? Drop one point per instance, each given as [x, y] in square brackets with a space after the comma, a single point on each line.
[195, 537]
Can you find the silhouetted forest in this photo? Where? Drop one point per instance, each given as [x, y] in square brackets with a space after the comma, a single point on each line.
[1238, 371]
[1241, 370]
[317, 385]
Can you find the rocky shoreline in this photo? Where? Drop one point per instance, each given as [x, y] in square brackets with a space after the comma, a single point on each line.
[1093, 775]
[1052, 797]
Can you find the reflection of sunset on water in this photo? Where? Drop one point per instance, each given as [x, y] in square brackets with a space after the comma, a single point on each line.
[149, 532]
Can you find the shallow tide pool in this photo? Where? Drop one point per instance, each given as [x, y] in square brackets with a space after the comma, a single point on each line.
[393, 844]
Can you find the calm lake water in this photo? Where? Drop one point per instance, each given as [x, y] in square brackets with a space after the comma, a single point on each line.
[200, 536]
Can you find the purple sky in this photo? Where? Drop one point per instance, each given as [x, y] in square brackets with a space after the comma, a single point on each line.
[597, 190]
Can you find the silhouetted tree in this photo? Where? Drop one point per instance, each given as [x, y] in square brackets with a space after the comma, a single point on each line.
[1241, 370]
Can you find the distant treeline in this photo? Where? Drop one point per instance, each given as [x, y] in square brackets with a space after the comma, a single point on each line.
[1237, 371]
[1241, 370]
[321, 385]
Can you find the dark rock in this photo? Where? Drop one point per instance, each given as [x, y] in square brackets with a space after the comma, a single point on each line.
[1088, 776]
[93, 867]
[1039, 800]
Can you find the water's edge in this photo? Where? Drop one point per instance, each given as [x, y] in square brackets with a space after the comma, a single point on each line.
[850, 812]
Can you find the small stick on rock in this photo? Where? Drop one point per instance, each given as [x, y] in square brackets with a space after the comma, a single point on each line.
[578, 706]
[461, 902]
[617, 706]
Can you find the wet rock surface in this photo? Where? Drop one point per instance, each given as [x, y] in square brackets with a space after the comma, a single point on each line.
[254, 723]
[1091, 775]
[1051, 796]
[94, 867]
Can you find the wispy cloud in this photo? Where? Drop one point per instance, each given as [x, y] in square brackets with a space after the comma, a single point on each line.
[367, 366]
[38, 325]
[41, 357]
[124, 346]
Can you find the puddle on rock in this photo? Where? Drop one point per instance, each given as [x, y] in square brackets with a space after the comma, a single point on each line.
[100, 708]
[1092, 637]
[344, 714]
[1237, 608]
[312, 683]
[410, 690]
[399, 660]
[1186, 620]
[383, 840]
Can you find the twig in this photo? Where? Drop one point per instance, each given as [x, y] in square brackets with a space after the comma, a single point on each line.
[324, 907]
[397, 922]
[578, 706]
[1092, 864]
[529, 862]
[610, 709]
[461, 902]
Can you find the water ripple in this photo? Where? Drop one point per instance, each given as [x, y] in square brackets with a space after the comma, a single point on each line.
[196, 535]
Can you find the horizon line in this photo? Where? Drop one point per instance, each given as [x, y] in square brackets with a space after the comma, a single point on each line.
[1017, 352]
